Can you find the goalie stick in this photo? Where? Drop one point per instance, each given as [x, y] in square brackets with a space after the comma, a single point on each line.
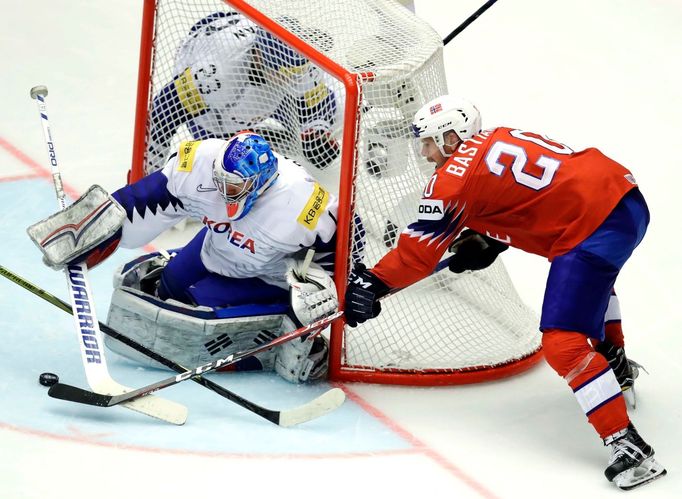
[83, 309]
[75, 394]
[316, 408]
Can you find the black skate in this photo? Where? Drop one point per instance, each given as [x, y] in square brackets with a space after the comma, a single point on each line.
[626, 370]
[632, 460]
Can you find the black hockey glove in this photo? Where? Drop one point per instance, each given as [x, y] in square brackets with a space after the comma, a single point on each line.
[474, 251]
[319, 147]
[362, 296]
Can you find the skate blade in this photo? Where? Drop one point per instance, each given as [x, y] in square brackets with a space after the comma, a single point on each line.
[646, 472]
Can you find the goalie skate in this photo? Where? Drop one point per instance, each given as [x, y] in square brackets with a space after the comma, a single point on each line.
[632, 462]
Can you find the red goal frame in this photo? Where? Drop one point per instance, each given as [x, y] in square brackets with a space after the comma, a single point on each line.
[353, 86]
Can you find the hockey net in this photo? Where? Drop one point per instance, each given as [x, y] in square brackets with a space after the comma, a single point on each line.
[368, 66]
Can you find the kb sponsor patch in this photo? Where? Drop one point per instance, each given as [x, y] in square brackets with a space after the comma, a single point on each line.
[431, 209]
[188, 148]
[188, 94]
[314, 207]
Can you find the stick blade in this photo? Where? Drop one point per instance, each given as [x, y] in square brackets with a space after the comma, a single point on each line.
[324, 404]
[74, 394]
[159, 408]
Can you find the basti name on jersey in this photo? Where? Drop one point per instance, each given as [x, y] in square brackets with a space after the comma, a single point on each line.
[459, 165]
[433, 209]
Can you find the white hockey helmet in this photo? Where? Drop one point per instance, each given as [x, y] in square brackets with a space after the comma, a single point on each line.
[443, 114]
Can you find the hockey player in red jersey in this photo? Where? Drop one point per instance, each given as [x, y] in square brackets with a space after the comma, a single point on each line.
[580, 209]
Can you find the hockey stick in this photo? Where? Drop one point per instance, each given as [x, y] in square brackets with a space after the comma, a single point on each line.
[75, 394]
[83, 309]
[316, 408]
[468, 21]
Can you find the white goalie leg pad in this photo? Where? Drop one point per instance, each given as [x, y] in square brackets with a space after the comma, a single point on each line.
[69, 233]
[312, 292]
[301, 360]
[178, 331]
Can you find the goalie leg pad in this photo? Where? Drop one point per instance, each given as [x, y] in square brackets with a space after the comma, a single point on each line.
[70, 234]
[189, 335]
[182, 333]
[194, 335]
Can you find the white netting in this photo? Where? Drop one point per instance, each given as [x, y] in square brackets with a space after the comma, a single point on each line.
[216, 73]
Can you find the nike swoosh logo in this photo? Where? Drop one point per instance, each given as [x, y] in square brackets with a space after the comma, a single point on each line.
[201, 188]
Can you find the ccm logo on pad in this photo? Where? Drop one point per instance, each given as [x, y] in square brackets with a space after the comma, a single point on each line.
[431, 209]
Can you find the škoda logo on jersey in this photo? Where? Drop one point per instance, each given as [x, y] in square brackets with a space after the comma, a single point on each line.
[431, 209]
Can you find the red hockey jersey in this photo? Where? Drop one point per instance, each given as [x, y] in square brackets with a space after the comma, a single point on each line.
[519, 187]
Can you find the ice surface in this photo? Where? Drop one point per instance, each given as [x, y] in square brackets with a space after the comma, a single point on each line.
[602, 74]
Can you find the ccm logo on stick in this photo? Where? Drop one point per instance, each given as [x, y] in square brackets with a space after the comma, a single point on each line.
[431, 209]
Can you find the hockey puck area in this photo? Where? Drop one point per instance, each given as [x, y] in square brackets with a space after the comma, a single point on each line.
[48, 379]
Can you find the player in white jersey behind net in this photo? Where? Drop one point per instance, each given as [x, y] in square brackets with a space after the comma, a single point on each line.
[231, 75]
[245, 278]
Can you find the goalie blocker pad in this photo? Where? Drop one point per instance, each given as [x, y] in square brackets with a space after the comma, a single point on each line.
[195, 335]
[89, 222]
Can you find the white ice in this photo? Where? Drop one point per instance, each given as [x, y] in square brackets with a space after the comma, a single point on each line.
[589, 73]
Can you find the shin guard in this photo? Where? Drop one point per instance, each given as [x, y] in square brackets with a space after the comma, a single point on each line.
[590, 377]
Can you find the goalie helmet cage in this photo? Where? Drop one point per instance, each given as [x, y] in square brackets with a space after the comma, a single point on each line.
[372, 64]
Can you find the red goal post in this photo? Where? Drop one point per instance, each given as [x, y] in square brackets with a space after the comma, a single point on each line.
[449, 329]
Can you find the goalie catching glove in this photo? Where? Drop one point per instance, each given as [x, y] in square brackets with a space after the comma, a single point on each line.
[473, 251]
[88, 230]
[312, 292]
[312, 297]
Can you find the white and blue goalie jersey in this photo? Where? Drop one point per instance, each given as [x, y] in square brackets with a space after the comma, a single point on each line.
[295, 212]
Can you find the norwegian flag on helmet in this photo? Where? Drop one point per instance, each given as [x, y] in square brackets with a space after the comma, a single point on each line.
[436, 108]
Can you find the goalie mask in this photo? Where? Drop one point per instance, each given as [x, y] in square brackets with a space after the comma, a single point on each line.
[444, 114]
[243, 169]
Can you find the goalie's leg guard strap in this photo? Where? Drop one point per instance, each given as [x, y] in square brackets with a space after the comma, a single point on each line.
[589, 375]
